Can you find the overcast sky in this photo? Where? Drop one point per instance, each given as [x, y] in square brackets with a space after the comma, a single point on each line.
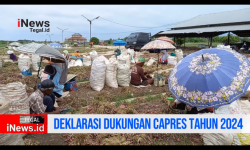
[115, 21]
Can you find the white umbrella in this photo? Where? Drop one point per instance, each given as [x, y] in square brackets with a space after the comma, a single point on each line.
[158, 45]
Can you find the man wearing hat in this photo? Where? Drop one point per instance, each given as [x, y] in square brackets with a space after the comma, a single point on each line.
[42, 100]
[138, 74]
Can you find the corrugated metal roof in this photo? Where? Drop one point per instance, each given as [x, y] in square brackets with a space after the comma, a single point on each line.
[210, 29]
[242, 15]
[76, 34]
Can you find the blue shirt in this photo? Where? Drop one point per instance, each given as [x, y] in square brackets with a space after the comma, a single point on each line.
[58, 87]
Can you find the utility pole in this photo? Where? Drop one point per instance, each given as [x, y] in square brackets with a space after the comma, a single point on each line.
[90, 21]
[50, 36]
[62, 32]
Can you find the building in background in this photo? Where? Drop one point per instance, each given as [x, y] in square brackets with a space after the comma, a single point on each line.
[76, 38]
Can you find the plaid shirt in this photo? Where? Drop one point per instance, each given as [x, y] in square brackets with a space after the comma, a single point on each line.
[36, 103]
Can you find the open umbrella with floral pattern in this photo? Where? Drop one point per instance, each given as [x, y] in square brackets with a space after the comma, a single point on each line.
[210, 78]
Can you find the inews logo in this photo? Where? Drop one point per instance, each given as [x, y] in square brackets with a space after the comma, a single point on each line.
[27, 23]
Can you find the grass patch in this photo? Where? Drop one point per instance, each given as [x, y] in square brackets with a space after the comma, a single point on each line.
[197, 44]
[152, 98]
[119, 99]
[132, 102]
[82, 80]
[72, 111]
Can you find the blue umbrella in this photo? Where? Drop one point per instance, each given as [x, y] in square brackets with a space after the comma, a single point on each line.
[119, 43]
[210, 78]
[56, 45]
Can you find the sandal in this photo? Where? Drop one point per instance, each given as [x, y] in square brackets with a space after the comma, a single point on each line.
[64, 111]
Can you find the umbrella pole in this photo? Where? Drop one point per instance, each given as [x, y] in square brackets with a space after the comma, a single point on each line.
[38, 73]
[39, 68]
[157, 69]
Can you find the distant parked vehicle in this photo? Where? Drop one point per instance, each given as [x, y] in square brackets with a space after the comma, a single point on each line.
[137, 40]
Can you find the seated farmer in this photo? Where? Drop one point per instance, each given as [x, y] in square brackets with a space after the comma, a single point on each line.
[12, 55]
[76, 55]
[190, 110]
[138, 74]
[55, 76]
[66, 54]
[117, 52]
[42, 100]
[164, 57]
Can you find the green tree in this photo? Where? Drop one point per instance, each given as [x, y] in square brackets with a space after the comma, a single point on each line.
[232, 39]
[179, 41]
[95, 40]
[110, 41]
[124, 39]
[216, 39]
[245, 39]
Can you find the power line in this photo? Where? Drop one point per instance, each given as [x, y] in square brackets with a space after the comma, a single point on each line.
[145, 28]
[134, 26]
[128, 31]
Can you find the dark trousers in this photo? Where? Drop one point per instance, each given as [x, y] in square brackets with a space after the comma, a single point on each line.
[49, 101]
[193, 110]
[57, 95]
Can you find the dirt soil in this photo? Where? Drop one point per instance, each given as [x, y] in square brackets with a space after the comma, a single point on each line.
[100, 103]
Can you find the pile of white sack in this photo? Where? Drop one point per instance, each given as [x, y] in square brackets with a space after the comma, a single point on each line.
[123, 68]
[237, 107]
[131, 52]
[13, 100]
[93, 55]
[86, 60]
[151, 61]
[24, 62]
[112, 72]
[35, 59]
[98, 71]
[137, 56]
[179, 54]
[172, 60]
[74, 63]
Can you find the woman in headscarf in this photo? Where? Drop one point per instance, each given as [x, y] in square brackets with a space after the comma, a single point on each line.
[54, 72]
[66, 54]
[76, 55]
[12, 55]
[117, 52]
[164, 57]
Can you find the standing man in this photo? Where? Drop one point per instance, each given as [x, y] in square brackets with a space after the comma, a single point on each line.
[84, 43]
[91, 44]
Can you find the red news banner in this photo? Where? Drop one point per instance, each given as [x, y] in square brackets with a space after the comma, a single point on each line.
[21, 123]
